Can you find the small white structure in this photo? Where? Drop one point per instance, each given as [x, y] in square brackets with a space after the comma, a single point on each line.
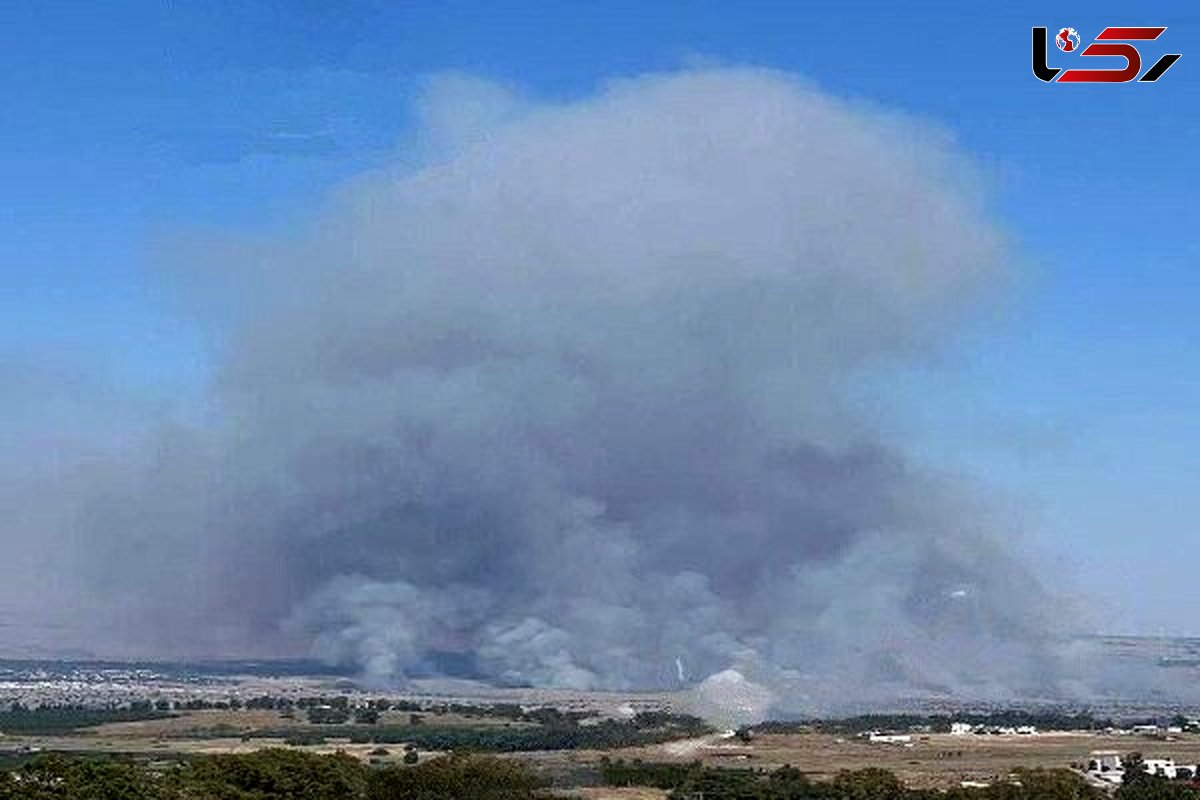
[876, 737]
[1026, 730]
[1106, 767]
[1163, 767]
[960, 728]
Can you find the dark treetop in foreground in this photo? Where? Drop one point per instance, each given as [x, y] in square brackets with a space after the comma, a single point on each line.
[276, 774]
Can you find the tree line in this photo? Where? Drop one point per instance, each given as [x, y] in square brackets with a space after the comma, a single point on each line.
[554, 735]
[279, 774]
[272, 774]
[694, 781]
[55, 720]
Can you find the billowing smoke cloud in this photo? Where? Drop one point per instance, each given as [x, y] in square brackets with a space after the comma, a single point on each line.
[566, 402]
[726, 699]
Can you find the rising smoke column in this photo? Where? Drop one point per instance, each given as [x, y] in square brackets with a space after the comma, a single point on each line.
[567, 399]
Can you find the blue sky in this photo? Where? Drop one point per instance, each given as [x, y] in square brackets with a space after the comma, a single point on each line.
[1077, 398]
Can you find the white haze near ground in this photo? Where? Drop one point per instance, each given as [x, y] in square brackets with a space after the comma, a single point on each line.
[728, 701]
[564, 398]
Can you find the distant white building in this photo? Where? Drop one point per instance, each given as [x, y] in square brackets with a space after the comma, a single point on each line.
[960, 728]
[889, 738]
[996, 730]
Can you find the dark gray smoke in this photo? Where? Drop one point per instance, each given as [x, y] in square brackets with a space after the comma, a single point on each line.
[568, 401]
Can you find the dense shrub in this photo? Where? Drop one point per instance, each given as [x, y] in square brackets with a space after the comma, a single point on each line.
[687, 781]
[280, 774]
[271, 774]
[268, 774]
[457, 777]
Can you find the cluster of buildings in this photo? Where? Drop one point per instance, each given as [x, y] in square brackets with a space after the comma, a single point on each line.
[107, 685]
[36, 685]
[966, 729]
[956, 729]
[1153, 730]
[1107, 767]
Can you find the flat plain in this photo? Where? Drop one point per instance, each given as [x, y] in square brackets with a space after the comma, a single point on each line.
[930, 760]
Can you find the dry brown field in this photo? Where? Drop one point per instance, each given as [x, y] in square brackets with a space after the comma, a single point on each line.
[220, 731]
[610, 793]
[933, 760]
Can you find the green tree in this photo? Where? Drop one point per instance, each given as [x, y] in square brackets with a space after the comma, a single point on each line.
[457, 777]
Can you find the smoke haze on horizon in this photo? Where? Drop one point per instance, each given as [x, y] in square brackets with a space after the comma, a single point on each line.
[566, 398]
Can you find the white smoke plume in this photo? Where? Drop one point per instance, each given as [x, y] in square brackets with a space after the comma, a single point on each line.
[565, 400]
[728, 701]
